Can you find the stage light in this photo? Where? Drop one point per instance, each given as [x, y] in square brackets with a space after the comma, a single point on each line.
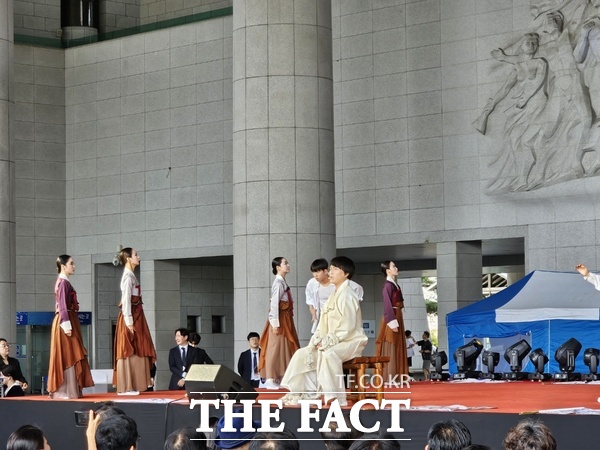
[590, 359]
[490, 360]
[514, 355]
[466, 360]
[438, 360]
[539, 360]
[565, 357]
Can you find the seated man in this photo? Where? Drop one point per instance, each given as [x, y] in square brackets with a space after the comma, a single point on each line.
[339, 337]
[182, 357]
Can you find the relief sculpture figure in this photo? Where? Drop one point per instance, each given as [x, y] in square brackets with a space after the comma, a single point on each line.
[523, 98]
[587, 55]
[546, 116]
[566, 117]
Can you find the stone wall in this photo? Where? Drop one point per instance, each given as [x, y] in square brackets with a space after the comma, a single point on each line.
[149, 152]
[207, 291]
[39, 148]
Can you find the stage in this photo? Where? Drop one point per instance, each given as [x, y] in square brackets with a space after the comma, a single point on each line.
[489, 409]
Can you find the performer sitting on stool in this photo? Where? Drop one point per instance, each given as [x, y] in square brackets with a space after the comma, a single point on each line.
[317, 368]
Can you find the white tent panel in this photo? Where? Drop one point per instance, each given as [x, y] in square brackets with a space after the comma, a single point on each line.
[552, 295]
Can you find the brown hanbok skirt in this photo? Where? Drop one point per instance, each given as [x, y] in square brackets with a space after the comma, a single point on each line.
[66, 352]
[277, 349]
[134, 352]
[393, 345]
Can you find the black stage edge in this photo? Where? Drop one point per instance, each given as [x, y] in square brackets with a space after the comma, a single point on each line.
[156, 420]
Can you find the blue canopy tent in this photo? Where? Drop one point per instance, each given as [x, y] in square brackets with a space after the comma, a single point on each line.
[545, 308]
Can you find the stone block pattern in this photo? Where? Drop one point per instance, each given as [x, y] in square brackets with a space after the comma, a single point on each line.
[207, 291]
[151, 11]
[388, 117]
[38, 131]
[37, 18]
[149, 146]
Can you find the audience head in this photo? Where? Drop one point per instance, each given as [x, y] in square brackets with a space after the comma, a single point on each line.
[407, 333]
[182, 440]
[449, 435]
[340, 440]
[108, 409]
[118, 432]
[27, 437]
[234, 439]
[529, 435]
[279, 440]
[345, 264]
[376, 441]
[426, 335]
[477, 447]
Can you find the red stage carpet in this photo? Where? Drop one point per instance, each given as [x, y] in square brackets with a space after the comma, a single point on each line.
[159, 413]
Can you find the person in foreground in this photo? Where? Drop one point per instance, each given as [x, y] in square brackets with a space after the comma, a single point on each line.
[134, 351]
[68, 369]
[317, 368]
[376, 441]
[529, 435]
[181, 439]
[448, 435]
[117, 432]
[27, 437]
[340, 440]
[276, 440]
[238, 439]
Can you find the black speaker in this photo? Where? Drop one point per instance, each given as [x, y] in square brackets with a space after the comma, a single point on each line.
[213, 381]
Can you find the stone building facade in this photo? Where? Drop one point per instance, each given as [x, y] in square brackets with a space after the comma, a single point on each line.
[214, 136]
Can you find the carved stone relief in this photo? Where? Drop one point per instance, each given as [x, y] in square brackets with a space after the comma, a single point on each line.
[545, 119]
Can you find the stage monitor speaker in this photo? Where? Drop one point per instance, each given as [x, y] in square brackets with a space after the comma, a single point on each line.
[213, 381]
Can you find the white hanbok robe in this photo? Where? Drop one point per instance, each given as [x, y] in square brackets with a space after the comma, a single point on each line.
[341, 335]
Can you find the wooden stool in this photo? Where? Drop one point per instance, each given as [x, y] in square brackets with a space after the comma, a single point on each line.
[357, 368]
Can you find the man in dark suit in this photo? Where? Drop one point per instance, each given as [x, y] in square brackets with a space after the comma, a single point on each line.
[182, 357]
[248, 362]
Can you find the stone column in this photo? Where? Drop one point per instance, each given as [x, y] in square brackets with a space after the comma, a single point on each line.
[459, 270]
[7, 178]
[283, 186]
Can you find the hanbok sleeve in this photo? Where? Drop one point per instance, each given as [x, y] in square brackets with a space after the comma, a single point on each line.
[126, 289]
[61, 305]
[277, 293]
[593, 278]
[388, 309]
